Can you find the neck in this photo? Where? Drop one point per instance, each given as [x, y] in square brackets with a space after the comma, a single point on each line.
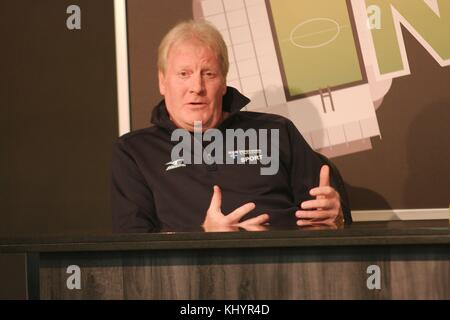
[190, 128]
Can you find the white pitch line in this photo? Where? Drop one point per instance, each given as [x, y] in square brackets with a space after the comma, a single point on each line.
[314, 33]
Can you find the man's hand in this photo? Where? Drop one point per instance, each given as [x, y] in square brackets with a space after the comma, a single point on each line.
[326, 208]
[215, 220]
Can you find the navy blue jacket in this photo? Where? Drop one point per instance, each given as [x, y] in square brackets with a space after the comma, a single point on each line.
[146, 197]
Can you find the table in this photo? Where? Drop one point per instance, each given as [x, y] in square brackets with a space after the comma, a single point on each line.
[366, 260]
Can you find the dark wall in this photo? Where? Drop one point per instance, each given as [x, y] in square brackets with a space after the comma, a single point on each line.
[148, 22]
[12, 276]
[58, 117]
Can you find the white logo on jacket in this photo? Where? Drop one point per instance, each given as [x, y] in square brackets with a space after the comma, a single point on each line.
[245, 156]
[178, 163]
[235, 139]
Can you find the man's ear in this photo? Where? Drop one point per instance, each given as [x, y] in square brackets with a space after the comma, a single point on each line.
[162, 83]
[224, 89]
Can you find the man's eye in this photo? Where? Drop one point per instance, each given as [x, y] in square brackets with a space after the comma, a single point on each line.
[183, 74]
[210, 74]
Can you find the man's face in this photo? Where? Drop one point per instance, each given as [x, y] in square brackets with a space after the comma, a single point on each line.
[193, 85]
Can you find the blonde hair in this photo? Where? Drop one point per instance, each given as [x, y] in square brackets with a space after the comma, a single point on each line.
[194, 29]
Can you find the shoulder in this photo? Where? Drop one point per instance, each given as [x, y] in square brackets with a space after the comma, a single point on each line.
[139, 137]
[136, 135]
[261, 119]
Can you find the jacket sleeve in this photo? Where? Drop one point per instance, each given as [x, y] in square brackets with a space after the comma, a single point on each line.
[304, 165]
[305, 172]
[133, 208]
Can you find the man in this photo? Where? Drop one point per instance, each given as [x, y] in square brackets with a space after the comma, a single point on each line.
[151, 191]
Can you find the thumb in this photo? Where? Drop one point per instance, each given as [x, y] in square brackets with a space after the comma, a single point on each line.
[216, 199]
[324, 176]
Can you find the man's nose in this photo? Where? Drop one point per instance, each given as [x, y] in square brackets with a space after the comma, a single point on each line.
[197, 84]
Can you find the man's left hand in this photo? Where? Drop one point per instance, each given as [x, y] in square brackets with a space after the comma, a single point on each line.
[326, 208]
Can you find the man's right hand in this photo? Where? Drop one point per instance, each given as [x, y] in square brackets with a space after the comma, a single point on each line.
[215, 220]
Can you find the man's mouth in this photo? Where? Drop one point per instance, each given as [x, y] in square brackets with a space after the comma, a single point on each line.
[197, 104]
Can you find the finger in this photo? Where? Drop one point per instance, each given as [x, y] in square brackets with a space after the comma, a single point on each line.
[220, 228]
[324, 176]
[309, 225]
[216, 199]
[256, 221]
[318, 204]
[317, 214]
[236, 216]
[317, 221]
[254, 228]
[323, 191]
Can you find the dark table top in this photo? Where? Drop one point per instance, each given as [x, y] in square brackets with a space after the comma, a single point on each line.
[356, 234]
